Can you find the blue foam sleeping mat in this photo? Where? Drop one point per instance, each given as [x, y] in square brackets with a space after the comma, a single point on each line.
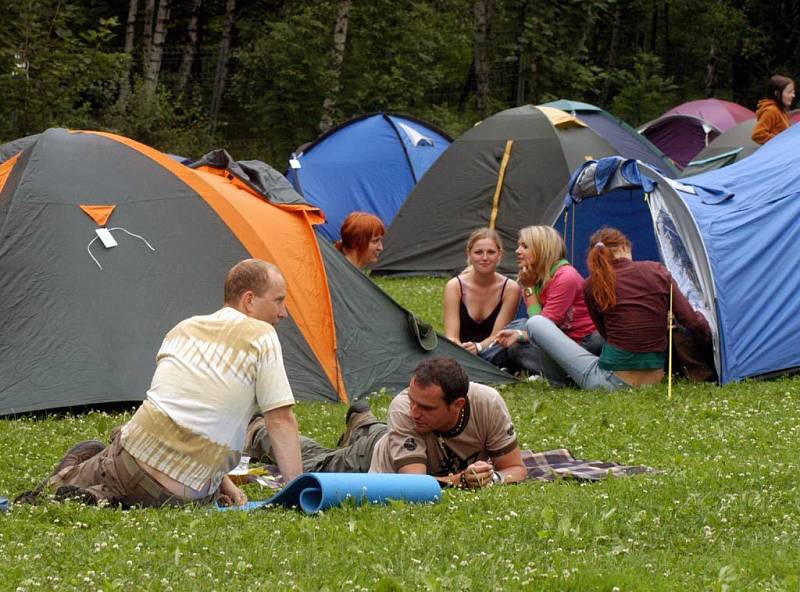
[314, 492]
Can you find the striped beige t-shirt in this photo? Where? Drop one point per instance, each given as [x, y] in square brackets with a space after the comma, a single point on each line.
[213, 372]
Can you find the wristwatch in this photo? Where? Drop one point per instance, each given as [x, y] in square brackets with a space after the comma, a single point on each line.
[528, 291]
[497, 477]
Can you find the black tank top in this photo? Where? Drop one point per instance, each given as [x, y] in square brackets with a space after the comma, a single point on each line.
[470, 329]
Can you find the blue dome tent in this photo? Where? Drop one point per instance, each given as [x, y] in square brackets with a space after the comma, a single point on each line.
[728, 237]
[370, 164]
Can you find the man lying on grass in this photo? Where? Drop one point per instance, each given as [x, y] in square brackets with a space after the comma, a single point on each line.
[213, 372]
[443, 425]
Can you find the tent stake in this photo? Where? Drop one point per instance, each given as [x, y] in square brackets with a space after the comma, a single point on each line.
[669, 350]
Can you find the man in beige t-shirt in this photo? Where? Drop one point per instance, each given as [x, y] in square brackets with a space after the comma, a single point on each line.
[442, 425]
[212, 373]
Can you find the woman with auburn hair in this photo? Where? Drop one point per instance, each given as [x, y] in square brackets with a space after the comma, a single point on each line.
[772, 113]
[629, 303]
[362, 239]
[553, 289]
[479, 301]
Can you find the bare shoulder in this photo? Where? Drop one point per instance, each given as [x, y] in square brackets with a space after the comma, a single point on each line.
[512, 287]
[453, 283]
[452, 289]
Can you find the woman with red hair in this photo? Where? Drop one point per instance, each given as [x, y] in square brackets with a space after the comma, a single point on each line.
[629, 304]
[362, 239]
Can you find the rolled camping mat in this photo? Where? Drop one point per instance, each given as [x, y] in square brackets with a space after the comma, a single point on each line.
[313, 492]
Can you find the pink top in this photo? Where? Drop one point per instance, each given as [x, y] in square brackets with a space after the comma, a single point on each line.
[562, 302]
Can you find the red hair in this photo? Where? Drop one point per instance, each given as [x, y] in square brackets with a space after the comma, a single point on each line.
[602, 245]
[357, 230]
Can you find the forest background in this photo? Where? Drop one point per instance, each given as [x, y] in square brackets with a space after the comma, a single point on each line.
[262, 77]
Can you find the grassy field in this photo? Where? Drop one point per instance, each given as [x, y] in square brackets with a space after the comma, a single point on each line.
[721, 513]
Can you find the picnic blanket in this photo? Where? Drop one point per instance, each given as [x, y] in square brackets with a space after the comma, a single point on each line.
[313, 492]
[560, 464]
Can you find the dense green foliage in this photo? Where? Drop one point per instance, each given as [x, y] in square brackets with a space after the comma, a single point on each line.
[720, 514]
[63, 63]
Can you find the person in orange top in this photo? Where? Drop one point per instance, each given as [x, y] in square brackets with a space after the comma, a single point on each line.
[773, 112]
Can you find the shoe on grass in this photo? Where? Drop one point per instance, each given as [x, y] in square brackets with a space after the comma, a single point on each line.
[76, 494]
[81, 452]
[358, 415]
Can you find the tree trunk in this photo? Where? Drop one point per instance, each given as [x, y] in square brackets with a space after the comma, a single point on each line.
[469, 86]
[337, 58]
[519, 54]
[667, 47]
[711, 71]
[153, 63]
[222, 64]
[125, 80]
[654, 28]
[190, 49]
[147, 30]
[613, 51]
[482, 12]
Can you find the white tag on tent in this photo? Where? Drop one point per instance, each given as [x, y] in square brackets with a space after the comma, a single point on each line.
[294, 163]
[105, 237]
[681, 187]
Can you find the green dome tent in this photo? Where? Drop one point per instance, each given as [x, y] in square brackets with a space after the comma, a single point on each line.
[729, 147]
[501, 173]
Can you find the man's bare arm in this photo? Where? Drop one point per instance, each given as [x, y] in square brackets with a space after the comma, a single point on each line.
[284, 436]
[511, 467]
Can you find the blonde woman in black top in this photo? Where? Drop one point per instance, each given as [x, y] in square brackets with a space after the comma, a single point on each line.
[479, 301]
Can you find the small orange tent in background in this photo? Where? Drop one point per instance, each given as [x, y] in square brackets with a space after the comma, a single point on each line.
[82, 316]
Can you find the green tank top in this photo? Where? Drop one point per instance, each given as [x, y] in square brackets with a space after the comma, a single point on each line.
[614, 358]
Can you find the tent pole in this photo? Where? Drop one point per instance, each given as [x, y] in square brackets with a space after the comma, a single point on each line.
[572, 238]
[669, 349]
[501, 175]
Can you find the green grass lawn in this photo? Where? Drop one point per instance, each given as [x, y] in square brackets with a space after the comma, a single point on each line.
[722, 513]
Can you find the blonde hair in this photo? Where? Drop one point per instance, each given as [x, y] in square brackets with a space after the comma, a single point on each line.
[545, 247]
[480, 234]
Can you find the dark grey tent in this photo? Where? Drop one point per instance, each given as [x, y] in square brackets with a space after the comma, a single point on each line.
[501, 173]
[729, 147]
[625, 140]
[9, 149]
[81, 323]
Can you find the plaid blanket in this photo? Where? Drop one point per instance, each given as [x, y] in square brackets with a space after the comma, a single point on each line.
[542, 466]
[560, 464]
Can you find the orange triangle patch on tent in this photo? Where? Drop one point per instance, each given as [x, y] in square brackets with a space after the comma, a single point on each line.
[99, 214]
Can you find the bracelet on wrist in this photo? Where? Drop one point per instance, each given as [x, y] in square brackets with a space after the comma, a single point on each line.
[478, 346]
[463, 480]
[498, 478]
[521, 336]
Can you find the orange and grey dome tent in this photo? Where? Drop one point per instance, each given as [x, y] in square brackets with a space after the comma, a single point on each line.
[82, 316]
